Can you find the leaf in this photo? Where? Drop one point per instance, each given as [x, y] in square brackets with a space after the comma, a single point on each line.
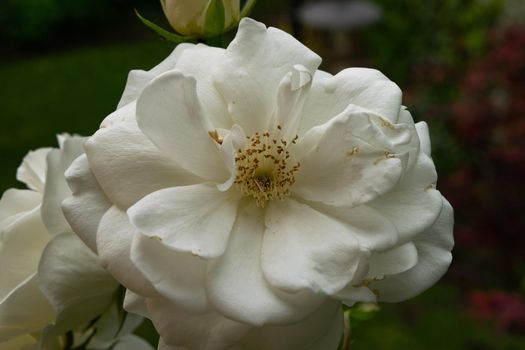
[176, 38]
[215, 18]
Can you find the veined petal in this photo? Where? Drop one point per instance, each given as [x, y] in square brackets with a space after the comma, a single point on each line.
[321, 330]
[32, 171]
[56, 188]
[71, 277]
[138, 79]
[179, 277]
[24, 310]
[356, 159]
[363, 87]
[84, 209]
[21, 244]
[248, 78]
[305, 249]
[196, 219]
[209, 331]
[170, 114]
[235, 283]
[434, 257]
[114, 239]
[128, 166]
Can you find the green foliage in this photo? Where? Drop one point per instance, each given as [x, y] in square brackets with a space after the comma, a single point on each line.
[31, 20]
[438, 31]
[163, 33]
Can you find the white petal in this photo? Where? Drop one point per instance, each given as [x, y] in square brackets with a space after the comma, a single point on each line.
[321, 330]
[194, 331]
[114, 238]
[195, 219]
[21, 245]
[356, 159]
[201, 62]
[248, 77]
[369, 226]
[56, 188]
[236, 285]
[123, 115]
[304, 248]
[434, 257]
[424, 137]
[234, 140]
[84, 209]
[15, 202]
[128, 166]
[290, 100]
[179, 277]
[24, 310]
[134, 303]
[138, 79]
[32, 171]
[72, 279]
[367, 88]
[414, 204]
[393, 261]
[170, 114]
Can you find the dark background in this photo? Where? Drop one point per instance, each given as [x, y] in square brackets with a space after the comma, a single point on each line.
[460, 64]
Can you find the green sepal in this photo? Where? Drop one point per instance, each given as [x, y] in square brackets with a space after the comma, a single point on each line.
[215, 18]
[167, 35]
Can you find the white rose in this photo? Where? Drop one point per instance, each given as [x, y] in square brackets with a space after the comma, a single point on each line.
[189, 16]
[245, 194]
[50, 282]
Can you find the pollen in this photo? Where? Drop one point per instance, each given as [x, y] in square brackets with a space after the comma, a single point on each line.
[264, 170]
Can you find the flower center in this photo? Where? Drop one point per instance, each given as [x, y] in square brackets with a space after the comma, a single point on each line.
[264, 171]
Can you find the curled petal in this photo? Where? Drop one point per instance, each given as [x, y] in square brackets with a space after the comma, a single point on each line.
[358, 157]
[209, 331]
[138, 79]
[305, 249]
[114, 238]
[84, 209]
[196, 219]
[128, 166]
[236, 285]
[179, 277]
[363, 87]
[433, 249]
[32, 171]
[248, 77]
[170, 114]
[321, 330]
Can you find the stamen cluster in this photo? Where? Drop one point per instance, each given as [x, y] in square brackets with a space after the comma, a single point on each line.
[264, 171]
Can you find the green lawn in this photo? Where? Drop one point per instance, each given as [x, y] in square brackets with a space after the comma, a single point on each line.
[64, 92]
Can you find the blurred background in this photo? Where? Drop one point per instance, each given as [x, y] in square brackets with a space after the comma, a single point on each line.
[460, 64]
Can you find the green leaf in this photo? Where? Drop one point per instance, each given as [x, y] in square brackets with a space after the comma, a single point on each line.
[215, 18]
[176, 38]
[248, 8]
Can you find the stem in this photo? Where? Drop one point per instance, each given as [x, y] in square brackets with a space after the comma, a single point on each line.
[347, 332]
